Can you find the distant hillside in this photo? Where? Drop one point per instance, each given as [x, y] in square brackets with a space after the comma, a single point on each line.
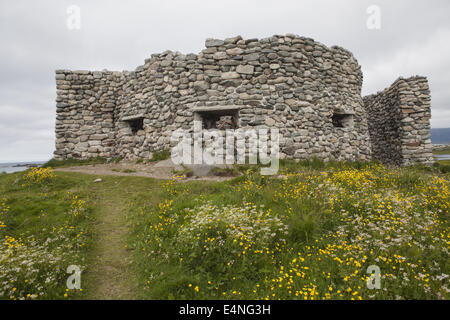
[440, 136]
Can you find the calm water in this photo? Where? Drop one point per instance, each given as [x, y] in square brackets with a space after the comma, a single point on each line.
[17, 166]
[442, 157]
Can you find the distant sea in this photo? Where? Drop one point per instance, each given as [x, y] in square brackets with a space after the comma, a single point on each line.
[18, 166]
[442, 157]
[440, 136]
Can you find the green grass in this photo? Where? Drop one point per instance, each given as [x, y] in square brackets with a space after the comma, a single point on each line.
[443, 165]
[53, 163]
[184, 245]
[185, 172]
[51, 226]
[225, 172]
[290, 236]
[160, 155]
[442, 151]
[51, 233]
[124, 170]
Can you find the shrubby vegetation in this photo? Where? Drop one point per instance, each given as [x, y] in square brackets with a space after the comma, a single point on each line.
[38, 176]
[160, 155]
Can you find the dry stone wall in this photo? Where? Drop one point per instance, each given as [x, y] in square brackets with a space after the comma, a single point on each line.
[310, 92]
[399, 122]
[85, 124]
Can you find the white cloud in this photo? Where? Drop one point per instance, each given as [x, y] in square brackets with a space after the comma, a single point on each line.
[430, 58]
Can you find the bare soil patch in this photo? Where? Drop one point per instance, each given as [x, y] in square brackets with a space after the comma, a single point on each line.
[165, 169]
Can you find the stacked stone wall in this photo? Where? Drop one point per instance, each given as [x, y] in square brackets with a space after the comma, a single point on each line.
[292, 83]
[85, 125]
[310, 92]
[399, 122]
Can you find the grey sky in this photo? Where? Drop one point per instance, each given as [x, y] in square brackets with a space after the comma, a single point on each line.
[118, 35]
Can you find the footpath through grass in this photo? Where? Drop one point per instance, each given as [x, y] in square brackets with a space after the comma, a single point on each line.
[309, 233]
[111, 274]
[50, 221]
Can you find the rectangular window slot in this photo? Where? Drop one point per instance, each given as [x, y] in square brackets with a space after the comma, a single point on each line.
[221, 118]
[342, 120]
[136, 123]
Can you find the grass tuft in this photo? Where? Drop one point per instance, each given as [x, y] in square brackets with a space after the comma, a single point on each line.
[53, 163]
[160, 155]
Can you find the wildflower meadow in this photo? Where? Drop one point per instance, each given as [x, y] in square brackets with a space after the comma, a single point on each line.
[43, 231]
[333, 231]
[308, 233]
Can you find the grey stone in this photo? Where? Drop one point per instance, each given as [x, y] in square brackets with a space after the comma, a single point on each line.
[230, 75]
[245, 69]
[201, 85]
[307, 90]
[220, 55]
[235, 51]
[251, 57]
[213, 43]
[274, 66]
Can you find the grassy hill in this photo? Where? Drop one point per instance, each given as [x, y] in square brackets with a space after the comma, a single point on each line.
[310, 232]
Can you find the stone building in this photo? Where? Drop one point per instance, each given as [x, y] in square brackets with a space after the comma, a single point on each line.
[310, 92]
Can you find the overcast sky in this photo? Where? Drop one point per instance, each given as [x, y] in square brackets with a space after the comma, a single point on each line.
[414, 39]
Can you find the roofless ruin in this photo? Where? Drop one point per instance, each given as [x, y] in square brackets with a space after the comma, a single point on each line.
[310, 92]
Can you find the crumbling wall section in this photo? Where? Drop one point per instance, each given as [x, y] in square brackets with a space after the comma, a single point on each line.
[399, 122]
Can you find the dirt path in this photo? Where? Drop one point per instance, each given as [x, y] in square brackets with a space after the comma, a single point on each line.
[158, 170]
[110, 275]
